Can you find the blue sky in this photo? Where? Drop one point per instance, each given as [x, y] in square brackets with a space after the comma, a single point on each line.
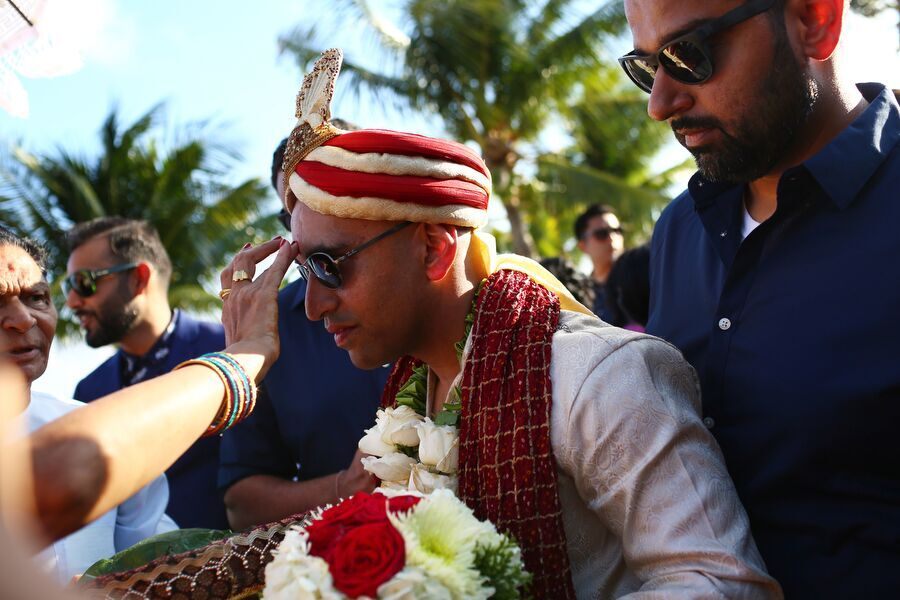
[217, 61]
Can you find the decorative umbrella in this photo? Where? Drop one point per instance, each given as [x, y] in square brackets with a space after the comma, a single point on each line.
[27, 49]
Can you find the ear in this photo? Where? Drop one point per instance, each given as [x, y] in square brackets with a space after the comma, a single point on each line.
[441, 246]
[582, 246]
[820, 23]
[141, 278]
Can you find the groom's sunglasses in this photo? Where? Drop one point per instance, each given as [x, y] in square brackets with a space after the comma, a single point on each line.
[327, 270]
[84, 282]
[688, 58]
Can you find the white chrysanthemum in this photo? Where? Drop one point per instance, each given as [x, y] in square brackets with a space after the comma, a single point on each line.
[441, 534]
[412, 584]
[294, 574]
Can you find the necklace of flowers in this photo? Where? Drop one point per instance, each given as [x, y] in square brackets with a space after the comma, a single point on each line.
[408, 450]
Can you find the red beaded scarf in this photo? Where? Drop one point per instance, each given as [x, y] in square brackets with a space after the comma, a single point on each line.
[507, 472]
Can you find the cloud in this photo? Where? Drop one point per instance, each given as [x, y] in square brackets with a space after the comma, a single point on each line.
[94, 29]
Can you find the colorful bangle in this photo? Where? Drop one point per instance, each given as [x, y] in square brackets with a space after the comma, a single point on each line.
[240, 392]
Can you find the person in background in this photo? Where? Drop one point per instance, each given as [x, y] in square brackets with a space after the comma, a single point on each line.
[297, 451]
[776, 274]
[599, 236]
[27, 327]
[628, 289]
[117, 285]
[580, 285]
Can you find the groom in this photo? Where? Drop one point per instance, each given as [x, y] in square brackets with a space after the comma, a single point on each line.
[581, 440]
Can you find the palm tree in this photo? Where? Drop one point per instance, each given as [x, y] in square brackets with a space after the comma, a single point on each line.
[496, 71]
[200, 219]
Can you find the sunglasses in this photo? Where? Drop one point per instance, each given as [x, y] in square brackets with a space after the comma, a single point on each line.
[327, 270]
[602, 234]
[688, 58]
[84, 282]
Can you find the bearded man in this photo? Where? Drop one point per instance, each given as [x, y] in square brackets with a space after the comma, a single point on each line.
[581, 440]
[776, 274]
[117, 285]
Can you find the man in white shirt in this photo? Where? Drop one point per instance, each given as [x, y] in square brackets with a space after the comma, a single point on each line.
[27, 326]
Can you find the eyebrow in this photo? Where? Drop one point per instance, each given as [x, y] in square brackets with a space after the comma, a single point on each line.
[683, 30]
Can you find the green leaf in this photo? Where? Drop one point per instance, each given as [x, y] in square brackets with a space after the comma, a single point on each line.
[172, 542]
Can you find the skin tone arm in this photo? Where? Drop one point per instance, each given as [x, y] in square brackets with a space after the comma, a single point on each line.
[262, 499]
[92, 459]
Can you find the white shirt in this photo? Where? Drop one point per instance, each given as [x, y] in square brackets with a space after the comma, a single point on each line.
[139, 517]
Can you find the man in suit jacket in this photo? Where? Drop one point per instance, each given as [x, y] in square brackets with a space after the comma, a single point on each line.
[117, 285]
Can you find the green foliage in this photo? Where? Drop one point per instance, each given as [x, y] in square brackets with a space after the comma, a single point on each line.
[415, 390]
[503, 567]
[172, 542]
[182, 191]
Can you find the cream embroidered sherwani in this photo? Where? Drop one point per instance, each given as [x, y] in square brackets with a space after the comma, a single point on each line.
[649, 510]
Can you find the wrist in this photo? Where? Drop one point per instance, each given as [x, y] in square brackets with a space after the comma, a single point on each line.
[337, 483]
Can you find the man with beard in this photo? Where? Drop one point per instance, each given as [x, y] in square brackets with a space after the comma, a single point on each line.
[117, 285]
[766, 274]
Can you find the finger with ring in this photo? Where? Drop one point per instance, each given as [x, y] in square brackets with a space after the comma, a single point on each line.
[240, 275]
[224, 293]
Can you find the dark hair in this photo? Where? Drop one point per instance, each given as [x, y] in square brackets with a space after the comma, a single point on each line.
[594, 210]
[131, 240]
[628, 286]
[35, 249]
[580, 285]
[277, 161]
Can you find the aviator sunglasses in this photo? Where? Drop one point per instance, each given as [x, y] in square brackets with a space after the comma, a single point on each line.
[84, 282]
[688, 58]
[327, 270]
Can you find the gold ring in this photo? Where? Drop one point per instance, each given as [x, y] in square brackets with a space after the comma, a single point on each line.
[240, 275]
[223, 294]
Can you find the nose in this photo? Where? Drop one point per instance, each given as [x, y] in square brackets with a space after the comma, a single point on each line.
[668, 97]
[15, 316]
[320, 300]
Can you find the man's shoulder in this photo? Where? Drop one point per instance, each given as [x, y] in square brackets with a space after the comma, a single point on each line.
[679, 209]
[104, 376]
[44, 408]
[585, 341]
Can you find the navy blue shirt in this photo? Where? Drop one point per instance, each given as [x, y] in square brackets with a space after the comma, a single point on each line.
[795, 333]
[312, 408]
[194, 497]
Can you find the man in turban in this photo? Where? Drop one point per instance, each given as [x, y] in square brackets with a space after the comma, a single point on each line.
[581, 440]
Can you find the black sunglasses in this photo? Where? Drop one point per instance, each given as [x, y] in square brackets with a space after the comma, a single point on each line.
[602, 234]
[326, 269]
[84, 282]
[688, 58]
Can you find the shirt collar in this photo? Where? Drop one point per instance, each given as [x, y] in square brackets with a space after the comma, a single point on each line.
[846, 163]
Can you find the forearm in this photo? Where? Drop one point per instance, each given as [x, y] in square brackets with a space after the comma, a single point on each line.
[260, 499]
[92, 459]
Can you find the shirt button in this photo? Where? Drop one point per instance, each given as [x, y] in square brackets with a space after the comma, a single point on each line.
[724, 324]
[709, 422]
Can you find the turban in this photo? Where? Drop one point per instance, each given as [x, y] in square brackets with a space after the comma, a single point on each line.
[377, 174]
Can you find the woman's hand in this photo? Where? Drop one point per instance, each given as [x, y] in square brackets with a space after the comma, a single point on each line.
[250, 308]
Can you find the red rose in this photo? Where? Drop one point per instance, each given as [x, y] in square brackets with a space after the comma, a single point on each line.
[365, 557]
[399, 504]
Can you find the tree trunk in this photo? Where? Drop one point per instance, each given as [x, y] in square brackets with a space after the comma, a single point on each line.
[523, 243]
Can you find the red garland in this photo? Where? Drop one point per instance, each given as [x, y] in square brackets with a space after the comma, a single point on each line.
[361, 546]
[505, 425]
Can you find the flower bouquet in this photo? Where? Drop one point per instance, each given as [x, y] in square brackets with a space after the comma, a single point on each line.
[396, 547]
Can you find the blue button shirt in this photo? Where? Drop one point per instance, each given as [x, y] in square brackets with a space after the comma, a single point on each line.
[795, 333]
[312, 408]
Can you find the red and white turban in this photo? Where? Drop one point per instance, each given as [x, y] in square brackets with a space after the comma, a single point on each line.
[378, 174]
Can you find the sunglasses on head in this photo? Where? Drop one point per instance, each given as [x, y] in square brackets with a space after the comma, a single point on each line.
[326, 269]
[688, 58]
[84, 282]
[602, 234]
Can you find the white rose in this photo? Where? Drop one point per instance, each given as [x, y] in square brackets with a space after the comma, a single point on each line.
[390, 467]
[424, 481]
[371, 443]
[400, 426]
[294, 574]
[411, 584]
[439, 446]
